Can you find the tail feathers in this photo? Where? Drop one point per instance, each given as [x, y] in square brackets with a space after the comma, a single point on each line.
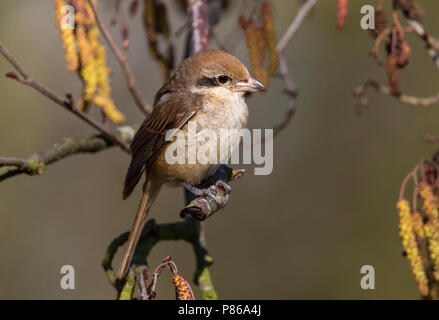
[150, 192]
[133, 239]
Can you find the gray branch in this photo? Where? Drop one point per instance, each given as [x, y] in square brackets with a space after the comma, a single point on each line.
[36, 163]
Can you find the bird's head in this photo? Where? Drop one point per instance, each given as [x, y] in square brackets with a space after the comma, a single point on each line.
[217, 70]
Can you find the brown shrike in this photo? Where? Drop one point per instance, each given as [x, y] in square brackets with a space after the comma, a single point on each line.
[208, 88]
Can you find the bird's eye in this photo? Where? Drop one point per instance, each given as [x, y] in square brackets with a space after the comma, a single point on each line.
[223, 79]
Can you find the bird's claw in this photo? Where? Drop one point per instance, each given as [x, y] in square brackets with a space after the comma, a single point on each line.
[225, 186]
[210, 191]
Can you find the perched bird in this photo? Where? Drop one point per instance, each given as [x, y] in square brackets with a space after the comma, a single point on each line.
[207, 89]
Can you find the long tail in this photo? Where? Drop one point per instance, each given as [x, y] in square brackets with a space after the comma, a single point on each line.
[148, 197]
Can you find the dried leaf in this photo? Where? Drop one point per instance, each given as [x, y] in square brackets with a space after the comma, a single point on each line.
[270, 38]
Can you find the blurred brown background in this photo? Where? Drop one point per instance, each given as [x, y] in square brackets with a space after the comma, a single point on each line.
[302, 232]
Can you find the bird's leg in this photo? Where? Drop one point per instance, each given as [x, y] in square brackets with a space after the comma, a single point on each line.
[210, 191]
[225, 186]
[196, 191]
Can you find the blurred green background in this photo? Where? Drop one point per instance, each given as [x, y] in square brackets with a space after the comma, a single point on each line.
[302, 232]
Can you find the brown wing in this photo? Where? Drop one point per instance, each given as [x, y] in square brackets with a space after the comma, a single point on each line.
[171, 111]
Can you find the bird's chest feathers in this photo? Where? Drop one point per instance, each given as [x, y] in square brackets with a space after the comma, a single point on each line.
[222, 109]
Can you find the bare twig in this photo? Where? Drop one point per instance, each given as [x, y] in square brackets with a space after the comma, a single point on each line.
[432, 44]
[183, 289]
[283, 65]
[298, 20]
[375, 51]
[67, 104]
[16, 162]
[204, 206]
[36, 163]
[166, 263]
[142, 279]
[152, 234]
[118, 17]
[410, 175]
[141, 103]
[199, 25]
[361, 94]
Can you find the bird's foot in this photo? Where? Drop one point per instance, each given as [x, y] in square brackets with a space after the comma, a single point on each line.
[222, 184]
[211, 191]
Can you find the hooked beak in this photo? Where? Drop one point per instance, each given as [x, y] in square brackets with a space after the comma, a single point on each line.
[250, 85]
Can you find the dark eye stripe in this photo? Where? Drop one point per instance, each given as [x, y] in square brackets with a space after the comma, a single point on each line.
[207, 82]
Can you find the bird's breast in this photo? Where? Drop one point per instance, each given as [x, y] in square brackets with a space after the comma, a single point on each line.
[212, 134]
[223, 110]
[225, 115]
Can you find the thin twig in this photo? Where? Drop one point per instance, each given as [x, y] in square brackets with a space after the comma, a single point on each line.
[118, 17]
[432, 44]
[415, 191]
[411, 174]
[199, 25]
[166, 263]
[283, 65]
[68, 105]
[142, 282]
[300, 17]
[16, 162]
[433, 49]
[141, 103]
[36, 164]
[375, 51]
[361, 92]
